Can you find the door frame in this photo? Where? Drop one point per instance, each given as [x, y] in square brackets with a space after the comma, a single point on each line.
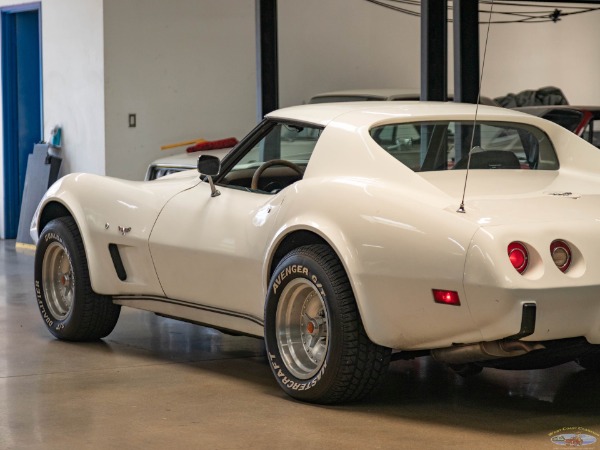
[10, 107]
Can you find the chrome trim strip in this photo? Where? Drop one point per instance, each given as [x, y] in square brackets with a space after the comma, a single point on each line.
[187, 304]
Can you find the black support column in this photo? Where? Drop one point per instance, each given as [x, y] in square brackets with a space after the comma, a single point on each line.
[434, 54]
[466, 51]
[466, 69]
[266, 57]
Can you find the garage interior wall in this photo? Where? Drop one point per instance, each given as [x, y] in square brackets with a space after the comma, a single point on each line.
[188, 68]
[326, 46]
[529, 56]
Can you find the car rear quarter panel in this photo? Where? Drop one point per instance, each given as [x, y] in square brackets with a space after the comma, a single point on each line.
[393, 234]
[395, 251]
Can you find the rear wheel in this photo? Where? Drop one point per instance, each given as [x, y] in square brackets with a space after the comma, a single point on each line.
[69, 307]
[318, 349]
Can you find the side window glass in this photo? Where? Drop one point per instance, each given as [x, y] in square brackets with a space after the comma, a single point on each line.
[277, 160]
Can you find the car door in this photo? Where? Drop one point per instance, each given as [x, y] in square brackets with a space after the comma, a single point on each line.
[210, 250]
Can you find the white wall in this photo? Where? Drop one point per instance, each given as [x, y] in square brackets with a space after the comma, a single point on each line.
[73, 82]
[185, 67]
[344, 44]
[528, 56]
[73, 74]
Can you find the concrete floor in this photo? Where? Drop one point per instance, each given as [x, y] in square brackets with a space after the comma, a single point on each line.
[156, 383]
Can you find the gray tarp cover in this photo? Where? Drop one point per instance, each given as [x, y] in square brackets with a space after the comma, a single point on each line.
[549, 95]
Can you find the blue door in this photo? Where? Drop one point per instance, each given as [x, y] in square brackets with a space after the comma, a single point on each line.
[22, 102]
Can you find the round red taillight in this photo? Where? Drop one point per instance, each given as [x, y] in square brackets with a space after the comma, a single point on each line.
[561, 254]
[517, 253]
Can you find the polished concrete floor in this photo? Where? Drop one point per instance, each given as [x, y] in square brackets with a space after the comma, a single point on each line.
[155, 383]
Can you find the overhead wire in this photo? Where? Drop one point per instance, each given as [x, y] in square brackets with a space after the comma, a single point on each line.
[545, 13]
[461, 208]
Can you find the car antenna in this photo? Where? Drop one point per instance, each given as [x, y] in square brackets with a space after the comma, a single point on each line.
[461, 208]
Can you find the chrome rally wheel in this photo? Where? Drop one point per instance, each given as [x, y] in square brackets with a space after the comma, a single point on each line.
[302, 328]
[58, 280]
[70, 309]
[317, 346]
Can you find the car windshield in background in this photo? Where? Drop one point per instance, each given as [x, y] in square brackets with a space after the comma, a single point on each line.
[155, 172]
[345, 98]
[566, 118]
[443, 145]
[401, 95]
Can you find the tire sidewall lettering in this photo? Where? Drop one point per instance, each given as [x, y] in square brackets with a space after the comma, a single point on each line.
[294, 269]
[54, 237]
[48, 319]
[289, 381]
[51, 322]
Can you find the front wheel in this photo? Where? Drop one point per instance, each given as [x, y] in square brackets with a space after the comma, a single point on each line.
[317, 346]
[69, 307]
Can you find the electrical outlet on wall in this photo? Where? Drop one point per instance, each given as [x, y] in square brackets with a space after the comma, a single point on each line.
[132, 120]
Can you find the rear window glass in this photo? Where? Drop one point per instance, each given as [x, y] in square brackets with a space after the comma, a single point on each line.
[444, 145]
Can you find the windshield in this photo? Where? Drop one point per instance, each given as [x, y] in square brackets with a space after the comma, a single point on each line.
[443, 145]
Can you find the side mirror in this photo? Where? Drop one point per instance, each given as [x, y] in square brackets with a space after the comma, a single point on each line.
[210, 166]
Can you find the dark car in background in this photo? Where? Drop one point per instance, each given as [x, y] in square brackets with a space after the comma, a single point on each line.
[584, 121]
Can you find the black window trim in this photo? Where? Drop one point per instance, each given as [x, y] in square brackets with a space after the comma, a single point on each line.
[253, 138]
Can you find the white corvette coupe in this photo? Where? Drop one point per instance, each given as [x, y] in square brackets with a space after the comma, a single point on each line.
[348, 235]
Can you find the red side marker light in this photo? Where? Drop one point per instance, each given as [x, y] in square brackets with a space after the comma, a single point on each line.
[446, 297]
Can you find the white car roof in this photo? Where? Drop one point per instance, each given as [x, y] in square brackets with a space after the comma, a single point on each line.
[369, 113]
